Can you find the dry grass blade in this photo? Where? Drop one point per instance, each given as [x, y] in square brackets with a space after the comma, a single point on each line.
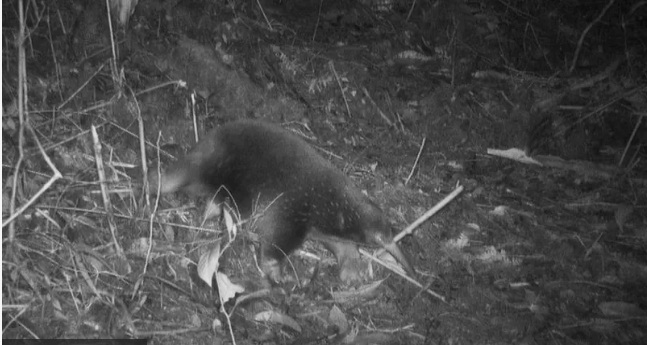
[121, 264]
[57, 175]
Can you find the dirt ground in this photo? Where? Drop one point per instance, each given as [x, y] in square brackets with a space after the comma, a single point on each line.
[531, 113]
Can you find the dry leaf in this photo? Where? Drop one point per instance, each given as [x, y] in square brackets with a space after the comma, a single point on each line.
[208, 264]
[622, 214]
[337, 318]
[212, 210]
[604, 326]
[58, 310]
[277, 318]
[95, 263]
[232, 228]
[621, 309]
[123, 9]
[139, 247]
[373, 338]
[121, 265]
[226, 288]
[514, 154]
[363, 292]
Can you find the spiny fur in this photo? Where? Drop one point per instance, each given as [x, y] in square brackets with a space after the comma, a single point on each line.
[259, 162]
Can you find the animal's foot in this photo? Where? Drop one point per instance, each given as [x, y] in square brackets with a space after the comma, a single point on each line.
[272, 270]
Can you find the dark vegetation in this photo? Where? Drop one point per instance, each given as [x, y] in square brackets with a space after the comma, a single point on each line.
[407, 97]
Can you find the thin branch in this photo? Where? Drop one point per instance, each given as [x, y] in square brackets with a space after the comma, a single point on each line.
[410, 11]
[264, 15]
[585, 32]
[57, 175]
[630, 140]
[155, 207]
[22, 106]
[382, 114]
[415, 164]
[314, 34]
[439, 206]
[341, 88]
[142, 148]
[409, 279]
[122, 265]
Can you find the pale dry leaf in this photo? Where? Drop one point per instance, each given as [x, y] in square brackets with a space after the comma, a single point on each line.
[58, 310]
[123, 9]
[492, 255]
[208, 264]
[84, 221]
[212, 210]
[5, 203]
[231, 226]
[604, 326]
[277, 318]
[195, 321]
[139, 247]
[95, 263]
[226, 288]
[621, 309]
[513, 154]
[363, 292]
[373, 338]
[499, 211]
[337, 318]
[9, 124]
[216, 325]
[121, 265]
[412, 55]
[458, 243]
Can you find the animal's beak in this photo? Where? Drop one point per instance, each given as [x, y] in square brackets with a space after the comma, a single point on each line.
[397, 253]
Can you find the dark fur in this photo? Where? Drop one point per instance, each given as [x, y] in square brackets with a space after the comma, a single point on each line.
[263, 165]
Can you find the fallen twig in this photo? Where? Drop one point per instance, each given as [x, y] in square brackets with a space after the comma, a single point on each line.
[409, 229]
[585, 32]
[384, 117]
[415, 164]
[57, 175]
[406, 277]
[122, 265]
[269, 25]
[631, 139]
[341, 88]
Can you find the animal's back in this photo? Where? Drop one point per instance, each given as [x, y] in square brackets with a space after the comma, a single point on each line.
[251, 159]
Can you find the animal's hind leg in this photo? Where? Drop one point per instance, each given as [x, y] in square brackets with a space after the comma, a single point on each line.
[280, 233]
